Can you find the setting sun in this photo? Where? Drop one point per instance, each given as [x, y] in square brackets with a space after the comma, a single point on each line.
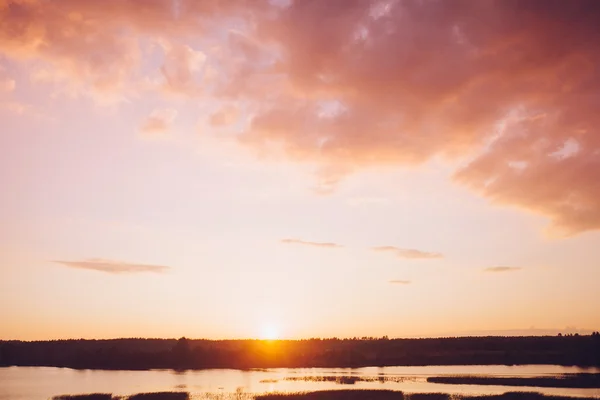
[269, 332]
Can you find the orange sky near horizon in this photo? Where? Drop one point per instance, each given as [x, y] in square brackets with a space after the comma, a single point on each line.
[298, 168]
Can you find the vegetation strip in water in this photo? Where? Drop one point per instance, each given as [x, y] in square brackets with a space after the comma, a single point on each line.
[352, 379]
[139, 396]
[574, 381]
[396, 395]
[324, 395]
[91, 396]
[160, 396]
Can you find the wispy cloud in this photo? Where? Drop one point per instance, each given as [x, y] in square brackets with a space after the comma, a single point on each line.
[502, 269]
[308, 243]
[399, 282]
[412, 254]
[113, 267]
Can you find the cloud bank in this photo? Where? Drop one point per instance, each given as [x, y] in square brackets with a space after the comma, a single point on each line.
[399, 282]
[505, 90]
[114, 267]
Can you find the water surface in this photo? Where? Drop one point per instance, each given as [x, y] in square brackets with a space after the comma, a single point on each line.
[41, 383]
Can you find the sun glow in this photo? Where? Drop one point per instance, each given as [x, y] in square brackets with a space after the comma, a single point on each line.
[269, 332]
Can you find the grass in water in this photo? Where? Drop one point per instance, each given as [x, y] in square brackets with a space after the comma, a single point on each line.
[160, 396]
[359, 394]
[428, 396]
[580, 381]
[396, 395]
[91, 396]
[139, 396]
[336, 395]
[349, 380]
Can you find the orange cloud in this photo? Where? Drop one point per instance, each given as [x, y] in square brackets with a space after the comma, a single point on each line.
[412, 254]
[78, 50]
[315, 244]
[158, 123]
[96, 48]
[114, 267]
[399, 282]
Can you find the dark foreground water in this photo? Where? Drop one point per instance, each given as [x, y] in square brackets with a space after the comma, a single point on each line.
[41, 383]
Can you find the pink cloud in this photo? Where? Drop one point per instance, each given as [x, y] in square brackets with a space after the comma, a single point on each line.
[158, 123]
[497, 87]
[422, 79]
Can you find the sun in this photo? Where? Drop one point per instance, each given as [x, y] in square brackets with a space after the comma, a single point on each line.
[269, 332]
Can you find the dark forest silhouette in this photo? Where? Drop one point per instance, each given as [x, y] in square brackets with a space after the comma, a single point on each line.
[198, 354]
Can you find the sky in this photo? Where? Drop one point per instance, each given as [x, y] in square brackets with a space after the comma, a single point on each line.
[295, 169]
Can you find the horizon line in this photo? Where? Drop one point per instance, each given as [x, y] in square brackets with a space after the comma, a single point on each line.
[481, 334]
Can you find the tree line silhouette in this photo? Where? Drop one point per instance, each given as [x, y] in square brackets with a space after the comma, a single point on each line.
[198, 354]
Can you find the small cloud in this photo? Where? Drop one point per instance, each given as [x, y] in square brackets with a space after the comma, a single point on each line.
[412, 254]
[502, 269]
[385, 248]
[399, 282]
[158, 123]
[315, 244]
[114, 267]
